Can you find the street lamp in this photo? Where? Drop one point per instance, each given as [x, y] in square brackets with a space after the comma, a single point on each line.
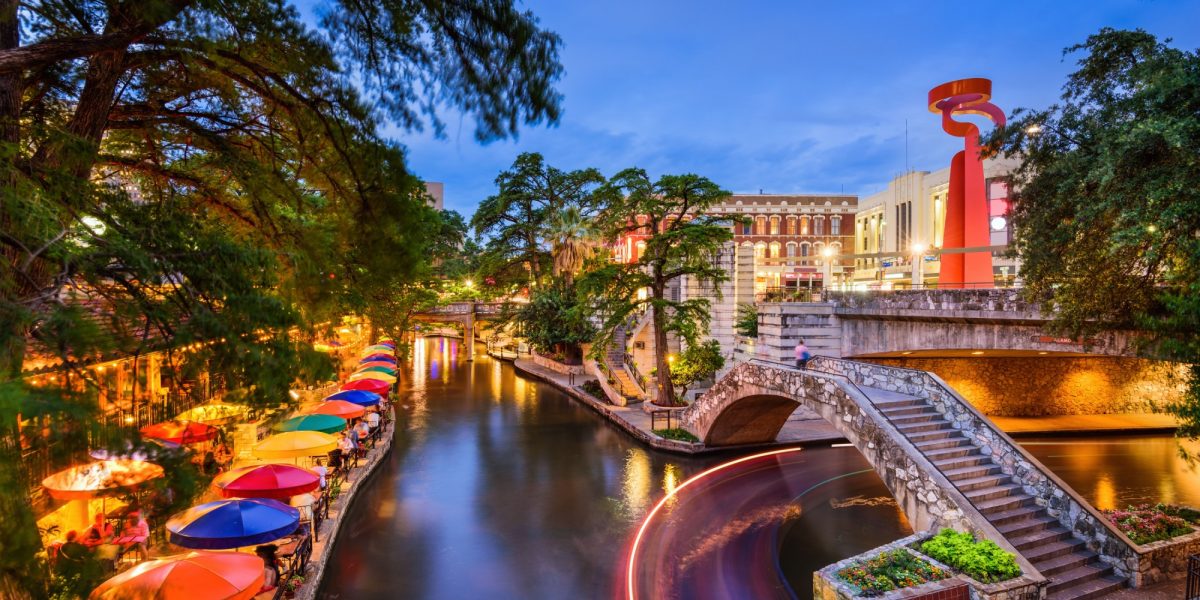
[918, 265]
[826, 269]
[469, 283]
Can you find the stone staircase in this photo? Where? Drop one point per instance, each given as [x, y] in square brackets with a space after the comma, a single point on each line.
[614, 360]
[1074, 571]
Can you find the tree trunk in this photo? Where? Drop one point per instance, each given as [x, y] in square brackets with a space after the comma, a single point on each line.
[666, 391]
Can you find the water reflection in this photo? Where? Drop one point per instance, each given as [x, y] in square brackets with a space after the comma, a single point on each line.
[1113, 472]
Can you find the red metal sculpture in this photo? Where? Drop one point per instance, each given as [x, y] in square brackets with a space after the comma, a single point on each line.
[966, 202]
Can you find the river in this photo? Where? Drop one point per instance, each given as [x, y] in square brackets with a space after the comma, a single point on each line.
[503, 487]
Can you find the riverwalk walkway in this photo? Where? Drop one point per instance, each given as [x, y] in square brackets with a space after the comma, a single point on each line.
[806, 428]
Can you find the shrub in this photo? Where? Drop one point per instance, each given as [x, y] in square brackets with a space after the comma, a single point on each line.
[980, 559]
[888, 571]
[676, 433]
[1145, 524]
[593, 388]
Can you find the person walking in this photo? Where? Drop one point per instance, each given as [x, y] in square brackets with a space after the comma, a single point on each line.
[802, 355]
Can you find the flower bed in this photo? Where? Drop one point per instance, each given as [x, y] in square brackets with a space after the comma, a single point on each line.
[889, 571]
[676, 433]
[982, 560]
[1145, 524]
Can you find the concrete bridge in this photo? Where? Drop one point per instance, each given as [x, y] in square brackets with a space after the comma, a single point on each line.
[946, 464]
[465, 313]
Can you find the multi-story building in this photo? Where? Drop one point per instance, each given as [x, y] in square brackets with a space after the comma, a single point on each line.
[436, 192]
[909, 216]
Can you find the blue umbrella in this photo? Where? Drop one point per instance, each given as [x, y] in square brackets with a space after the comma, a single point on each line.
[378, 357]
[232, 523]
[359, 397]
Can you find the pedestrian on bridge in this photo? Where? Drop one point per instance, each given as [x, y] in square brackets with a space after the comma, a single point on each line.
[802, 355]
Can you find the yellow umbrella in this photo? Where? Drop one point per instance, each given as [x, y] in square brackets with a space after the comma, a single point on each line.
[295, 444]
[369, 350]
[372, 375]
[213, 414]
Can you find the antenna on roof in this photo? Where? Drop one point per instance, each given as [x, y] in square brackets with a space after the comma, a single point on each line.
[759, 191]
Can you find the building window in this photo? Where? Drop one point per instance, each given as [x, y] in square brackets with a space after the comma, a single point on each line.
[747, 228]
[803, 225]
[819, 226]
[791, 225]
[760, 226]
[775, 225]
[760, 250]
[835, 226]
[774, 249]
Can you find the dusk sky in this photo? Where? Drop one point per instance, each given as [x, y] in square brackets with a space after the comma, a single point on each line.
[786, 97]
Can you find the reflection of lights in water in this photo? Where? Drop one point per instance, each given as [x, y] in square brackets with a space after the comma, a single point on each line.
[631, 591]
[519, 391]
[497, 380]
[730, 531]
[636, 482]
[445, 361]
[670, 478]
[1106, 493]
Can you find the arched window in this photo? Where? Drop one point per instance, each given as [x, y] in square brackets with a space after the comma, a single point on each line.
[819, 225]
[803, 225]
[760, 225]
[774, 249]
[835, 226]
[791, 225]
[774, 224]
[760, 250]
[791, 253]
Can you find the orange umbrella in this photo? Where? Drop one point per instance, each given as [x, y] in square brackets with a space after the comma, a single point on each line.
[191, 576]
[180, 432]
[95, 478]
[338, 408]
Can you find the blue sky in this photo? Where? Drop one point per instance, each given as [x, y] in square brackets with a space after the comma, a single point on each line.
[786, 97]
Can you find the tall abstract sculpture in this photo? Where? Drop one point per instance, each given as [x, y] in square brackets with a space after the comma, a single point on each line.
[966, 202]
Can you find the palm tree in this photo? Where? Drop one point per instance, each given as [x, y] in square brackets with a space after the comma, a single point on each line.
[572, 240]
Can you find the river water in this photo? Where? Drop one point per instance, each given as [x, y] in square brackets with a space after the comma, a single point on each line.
[503, 487]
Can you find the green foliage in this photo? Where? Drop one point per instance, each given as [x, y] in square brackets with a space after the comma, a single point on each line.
[1108, 199]
[682, 240]
[517, 220]
[981, 559]
[554, 321]
[676, 433]
[595, 390]
[696, 363]
[746, 324]
[889, 571]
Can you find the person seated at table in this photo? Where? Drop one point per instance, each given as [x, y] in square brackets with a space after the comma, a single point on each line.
[101, 532]
[363, 430]
[321, 471]
[135, 534]
[373, 420]
[270, 567]
[335, 459]
[71, 552]
[352, 433]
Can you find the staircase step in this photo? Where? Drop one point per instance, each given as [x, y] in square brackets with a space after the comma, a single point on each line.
[995, 491]
[1013, 514]
[1078, 575]
[939, 434]
[936, 455]
[918, 418]
[1034, 522]
[1064, 562]
[958, 462]
[906, 411]
[1040, 537]
[1087, 590]
[982, 481]
[950, 442]
[922, 427]
[1053, 550]
[882, 404]
[992, 506]
[971, 472]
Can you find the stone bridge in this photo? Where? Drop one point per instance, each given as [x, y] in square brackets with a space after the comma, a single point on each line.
[946, 464]
[466, 313]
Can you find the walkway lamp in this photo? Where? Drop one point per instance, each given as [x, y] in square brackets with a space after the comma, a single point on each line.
[827, 268]
[918, 265]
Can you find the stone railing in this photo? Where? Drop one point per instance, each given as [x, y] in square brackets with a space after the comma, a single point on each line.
[1004, 302]
[553, 365]
[1062, 502]
[614, 397]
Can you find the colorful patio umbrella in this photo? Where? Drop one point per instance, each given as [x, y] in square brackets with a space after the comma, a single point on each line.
[358, 397]
[180, 432]
[100, 477]
[372, 375]
[322, 423]
[338, 408]
[369, 385]
[377, 369]
[378, 358]
[369, 350]
[213, 414]
[191, 576]
[266, 481]
[232, 523]
[294, 444]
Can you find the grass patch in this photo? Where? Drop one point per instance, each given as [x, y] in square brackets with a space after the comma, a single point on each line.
[890, 571]
[980, 559]
[676, 433]
[1145, 524]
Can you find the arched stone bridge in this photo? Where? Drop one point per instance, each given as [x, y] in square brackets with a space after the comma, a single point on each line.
[466, 313]
[946, 464]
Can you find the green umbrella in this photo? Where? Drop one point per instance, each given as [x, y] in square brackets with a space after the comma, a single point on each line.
[321, 423]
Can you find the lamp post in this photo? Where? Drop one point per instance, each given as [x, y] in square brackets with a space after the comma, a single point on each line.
[826, 269]
[918, 265]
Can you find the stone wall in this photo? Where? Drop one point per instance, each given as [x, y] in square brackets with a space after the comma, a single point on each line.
[1043, 386]
[1168, 559]
[1063, 503]
[557, 367]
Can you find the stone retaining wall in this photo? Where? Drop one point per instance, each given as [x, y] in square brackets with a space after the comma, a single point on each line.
[557, 367]
[1168, 559]
[1063, 503]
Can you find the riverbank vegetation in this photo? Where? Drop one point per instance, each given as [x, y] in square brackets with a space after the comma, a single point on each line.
[890, 571]
[1145, 524]
[982, 560]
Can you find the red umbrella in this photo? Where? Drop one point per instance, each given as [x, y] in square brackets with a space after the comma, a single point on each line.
[338, 408]
[369, 385]
[266, 481]
[180, 432]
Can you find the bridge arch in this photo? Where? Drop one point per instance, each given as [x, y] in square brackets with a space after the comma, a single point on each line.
[752, 402]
